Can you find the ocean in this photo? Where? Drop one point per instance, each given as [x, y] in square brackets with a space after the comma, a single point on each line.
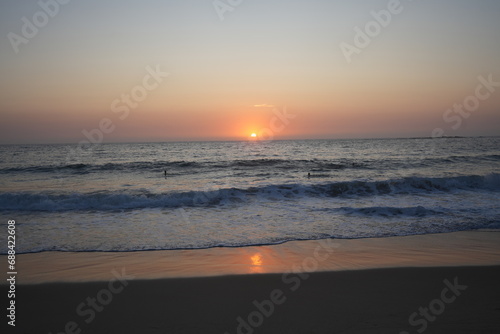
[116, 197]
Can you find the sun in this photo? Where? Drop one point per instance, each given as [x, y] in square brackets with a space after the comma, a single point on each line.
[253, 135]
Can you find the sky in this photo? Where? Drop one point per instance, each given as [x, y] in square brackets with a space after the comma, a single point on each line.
[168, 70]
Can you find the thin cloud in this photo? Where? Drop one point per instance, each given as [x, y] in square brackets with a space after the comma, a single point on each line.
[263, 106]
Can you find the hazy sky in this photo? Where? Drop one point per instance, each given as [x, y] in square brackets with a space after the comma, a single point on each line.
[84, 59]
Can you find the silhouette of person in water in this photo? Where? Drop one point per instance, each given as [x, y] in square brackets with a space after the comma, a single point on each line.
[308, 175]
[165, 172]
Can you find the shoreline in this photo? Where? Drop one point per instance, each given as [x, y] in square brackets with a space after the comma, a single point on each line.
[468, 248]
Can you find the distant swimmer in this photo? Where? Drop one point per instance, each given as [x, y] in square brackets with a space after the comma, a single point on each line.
[165, 172]
[308, 175]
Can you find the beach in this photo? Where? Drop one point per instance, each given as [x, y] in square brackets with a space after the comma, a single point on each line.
[325, 286]
[245, 167]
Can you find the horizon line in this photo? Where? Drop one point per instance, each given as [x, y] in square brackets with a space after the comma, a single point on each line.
[247, 140]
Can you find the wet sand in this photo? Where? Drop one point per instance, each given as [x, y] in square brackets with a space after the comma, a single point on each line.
[470, 248]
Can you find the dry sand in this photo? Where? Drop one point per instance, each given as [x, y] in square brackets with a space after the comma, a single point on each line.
[363, 301]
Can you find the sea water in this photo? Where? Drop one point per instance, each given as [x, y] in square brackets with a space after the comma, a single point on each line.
[116, 197]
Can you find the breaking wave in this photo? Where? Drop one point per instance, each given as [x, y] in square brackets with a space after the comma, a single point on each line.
[118, 200]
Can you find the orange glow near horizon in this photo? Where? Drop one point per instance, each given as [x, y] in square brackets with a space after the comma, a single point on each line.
[278, 81]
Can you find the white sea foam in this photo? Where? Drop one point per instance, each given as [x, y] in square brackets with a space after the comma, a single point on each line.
[237, 194]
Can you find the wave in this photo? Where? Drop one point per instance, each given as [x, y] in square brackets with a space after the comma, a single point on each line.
[414, 184]
[115, 200]
[84, 167]
[313, 165]
[389, 211]
[457, 159]
[186, 165]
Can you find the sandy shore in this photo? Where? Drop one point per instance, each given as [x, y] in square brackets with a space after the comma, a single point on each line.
[470, 248]
[446, 283]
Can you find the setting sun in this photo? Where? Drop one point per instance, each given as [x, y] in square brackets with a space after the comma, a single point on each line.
[253, 135]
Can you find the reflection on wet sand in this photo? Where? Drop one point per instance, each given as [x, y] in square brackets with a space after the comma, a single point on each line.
[257, 263]
[450, 249]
